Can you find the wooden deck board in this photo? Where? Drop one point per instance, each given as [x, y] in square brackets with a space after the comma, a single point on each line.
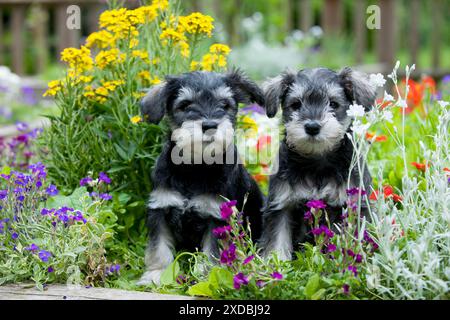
[63, 292]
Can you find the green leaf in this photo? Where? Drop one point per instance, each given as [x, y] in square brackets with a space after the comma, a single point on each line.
[121, 152]
[312, 286]
[72, 201]
[6, 170]
[170, 274]
[219, 278]
[318, 295]
[200, 289]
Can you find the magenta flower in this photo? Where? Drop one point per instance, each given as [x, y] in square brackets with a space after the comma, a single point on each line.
[353, 269]
[226, 209]
[355, 191]
[316, 204]
[346, 289]
[277, 275]
[308, 216]
[323, 229]
[228, 256]
[248, 259]
[260, 283]
[331, 248]
[221, 232]
[239, 280]
[358, 258]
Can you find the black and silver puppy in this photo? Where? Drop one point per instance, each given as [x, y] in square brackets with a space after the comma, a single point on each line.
[198, 164]
[315, 155]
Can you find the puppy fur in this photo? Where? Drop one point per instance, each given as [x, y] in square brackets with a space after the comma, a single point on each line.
[185, 204]
[315, 154]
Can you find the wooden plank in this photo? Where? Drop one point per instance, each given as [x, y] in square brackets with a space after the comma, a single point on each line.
[414, 13]
[387, 34]
[17, 46]
[436, 12]
[360, 29]
[332, 16]
[306, 15]
[63, 292]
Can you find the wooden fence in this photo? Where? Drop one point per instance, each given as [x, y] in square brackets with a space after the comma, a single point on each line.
[47, 23]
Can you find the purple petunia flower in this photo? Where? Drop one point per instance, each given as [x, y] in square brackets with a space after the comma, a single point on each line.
[239, 280]
[346, 289]
[103, 177]
[226, 209]
[221, 232]
[3, 194]
[355, 191]
[105, 196]
[316, 204]
[353, 269]
[85, 181]
[277, 275]
[50, 269]
[38, 169]
[358, 258]
[21, 126]
[228, 256]
[14, 235]
[260, 283]
[52, 190]
[44, 255]
[248, 259]
[33, 247]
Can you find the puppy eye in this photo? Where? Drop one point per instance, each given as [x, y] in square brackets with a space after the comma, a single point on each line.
[296, 105]
[334, 104]
[183, 105]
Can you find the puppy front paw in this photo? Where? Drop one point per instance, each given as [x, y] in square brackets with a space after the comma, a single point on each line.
[150, 277]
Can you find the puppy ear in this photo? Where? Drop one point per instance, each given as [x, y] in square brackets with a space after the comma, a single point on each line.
[275, 89]
[245, 90]
[357, 87]
[153, 105]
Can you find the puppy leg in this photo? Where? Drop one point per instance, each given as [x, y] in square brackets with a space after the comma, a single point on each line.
[159, 253]
[277, 234]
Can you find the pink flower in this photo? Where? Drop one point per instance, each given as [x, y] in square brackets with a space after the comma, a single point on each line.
[226, 209]
[248, 259]
[221, 232]
[277, 275]
[228, 255]
[316, 204]
[239, 280]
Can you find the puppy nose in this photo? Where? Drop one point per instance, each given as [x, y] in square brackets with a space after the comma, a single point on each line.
[312, 128]
[207, 125]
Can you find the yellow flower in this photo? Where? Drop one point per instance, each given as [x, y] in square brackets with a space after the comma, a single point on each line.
[155, 81]
[53, 88]
[107, 57]
[140, 54]
[195, 65]
[78, 59]
[148, 13]
[144, 75]
[222, 61]
[102, 39]
[112, 85]
[172, 34]
[122, 22]
[185, 51]
[160, 4]
[196, 23]
[138, 95]
[219, 48]
[136, 119]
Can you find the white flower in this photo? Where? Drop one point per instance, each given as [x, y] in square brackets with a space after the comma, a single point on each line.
[443, 104]
[377, 80]
[355, 110]
[360, 129]
[388, 116]
[402, 103]
[388, 97]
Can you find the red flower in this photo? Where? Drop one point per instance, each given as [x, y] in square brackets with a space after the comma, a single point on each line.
[388, 192]
[420, 166]
[370, 135]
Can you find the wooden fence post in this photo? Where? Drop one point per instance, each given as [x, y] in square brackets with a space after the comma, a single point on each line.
[40, 35]
[386, 35]
[305, 15]
[360, 29]
[436, 12]
[332, 16]
[17, 45]
[414, 13]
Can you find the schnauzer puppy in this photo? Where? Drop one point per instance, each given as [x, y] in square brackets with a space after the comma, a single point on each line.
[198, 164]
[315, 155]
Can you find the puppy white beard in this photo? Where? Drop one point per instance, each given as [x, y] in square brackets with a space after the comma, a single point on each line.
[199, 146]
[331, 133]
